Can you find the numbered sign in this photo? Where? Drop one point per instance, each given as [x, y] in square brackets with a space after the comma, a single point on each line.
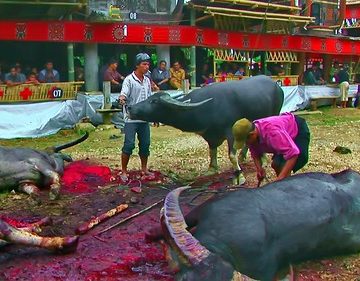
[56, 93]
[132, 15]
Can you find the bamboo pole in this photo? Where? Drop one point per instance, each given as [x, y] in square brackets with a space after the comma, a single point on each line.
[257, 4]
[288, 16]
[130, 217]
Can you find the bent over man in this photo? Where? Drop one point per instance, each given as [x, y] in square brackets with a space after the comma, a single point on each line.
[286, 136]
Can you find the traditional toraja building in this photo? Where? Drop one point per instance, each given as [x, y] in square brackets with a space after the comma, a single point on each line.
[291, 33]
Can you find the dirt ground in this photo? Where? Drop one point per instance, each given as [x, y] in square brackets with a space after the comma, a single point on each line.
[121, 253]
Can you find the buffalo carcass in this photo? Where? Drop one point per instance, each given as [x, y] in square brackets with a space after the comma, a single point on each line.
[257, 232]
[211, 111]
[28, 169]
[28, 236]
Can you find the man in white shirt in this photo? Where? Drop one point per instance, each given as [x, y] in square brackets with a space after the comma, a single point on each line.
[136, 88]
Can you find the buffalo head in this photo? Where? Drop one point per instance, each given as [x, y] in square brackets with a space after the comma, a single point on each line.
[201, 264]
[159, 106]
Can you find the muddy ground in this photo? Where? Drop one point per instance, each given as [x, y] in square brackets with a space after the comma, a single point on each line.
[121, 253]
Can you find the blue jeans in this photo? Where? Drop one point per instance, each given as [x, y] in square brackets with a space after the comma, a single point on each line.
[143, 133]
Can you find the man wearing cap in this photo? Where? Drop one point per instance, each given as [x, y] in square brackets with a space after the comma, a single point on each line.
[286, 136]
[136, 88]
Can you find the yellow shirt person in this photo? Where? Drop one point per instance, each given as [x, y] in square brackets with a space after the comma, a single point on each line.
[177, 75]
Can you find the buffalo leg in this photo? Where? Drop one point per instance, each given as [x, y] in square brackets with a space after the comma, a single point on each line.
[54, 186]
[14, 235]
[239, 178]
[33, 227]
[29, 188]
[213, 168]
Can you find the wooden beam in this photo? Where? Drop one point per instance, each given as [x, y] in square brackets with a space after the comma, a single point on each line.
[233, 11]
[258, 3]
[203, 18]
[240, 14]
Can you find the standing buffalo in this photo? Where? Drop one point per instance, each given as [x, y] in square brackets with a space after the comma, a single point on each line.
[28, 169]
[211, 111]
[259, 231]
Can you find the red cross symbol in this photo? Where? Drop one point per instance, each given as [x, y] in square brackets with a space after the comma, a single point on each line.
[26, 93]
[287, 81]
[50, 92]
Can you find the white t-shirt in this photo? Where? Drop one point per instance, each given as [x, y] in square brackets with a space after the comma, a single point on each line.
[135, 91]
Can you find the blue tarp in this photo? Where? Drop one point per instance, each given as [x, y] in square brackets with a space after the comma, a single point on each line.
[41, 119]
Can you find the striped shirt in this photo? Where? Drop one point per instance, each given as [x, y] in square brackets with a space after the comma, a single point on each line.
[135, 91]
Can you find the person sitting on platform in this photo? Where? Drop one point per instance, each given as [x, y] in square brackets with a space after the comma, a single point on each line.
[19, 71]
[112, 75]
[312, 76]
[49, 74]
[177, 75]
[13, 78]
[160, 76]
[32, 79]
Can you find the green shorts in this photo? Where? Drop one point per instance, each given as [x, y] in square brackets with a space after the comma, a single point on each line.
[302, 141]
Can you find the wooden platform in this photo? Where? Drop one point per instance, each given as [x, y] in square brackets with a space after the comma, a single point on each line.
[39, 92]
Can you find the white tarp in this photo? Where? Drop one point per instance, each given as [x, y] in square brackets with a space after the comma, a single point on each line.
[46, 118]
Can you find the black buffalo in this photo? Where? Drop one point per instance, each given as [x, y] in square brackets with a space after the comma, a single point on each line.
[211, 111]
[28, 169]
[259, 231]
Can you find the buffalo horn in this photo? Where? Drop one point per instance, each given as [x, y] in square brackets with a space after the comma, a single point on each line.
[167, 100]
[174, 222]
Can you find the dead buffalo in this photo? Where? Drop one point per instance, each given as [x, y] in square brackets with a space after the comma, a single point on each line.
[27, 236]
[211, 111]
[258, 232]
[28, 169]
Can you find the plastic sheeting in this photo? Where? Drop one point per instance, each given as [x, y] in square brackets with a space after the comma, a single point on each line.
[46, 118]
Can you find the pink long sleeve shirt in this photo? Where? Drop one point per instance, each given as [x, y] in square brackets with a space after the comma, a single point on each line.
[276, 135]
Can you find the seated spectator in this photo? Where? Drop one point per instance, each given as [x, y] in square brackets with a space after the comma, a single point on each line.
[113, 76]
[210, 79]
[19, 71]
[32, 79]
[203, 75]
[49, 74]
[160, 76]
[13, 78]
[310, 78]
[1, 76]
[278, 70]
[318, 73]
[240, 72]
[177, 75]
[79, 71]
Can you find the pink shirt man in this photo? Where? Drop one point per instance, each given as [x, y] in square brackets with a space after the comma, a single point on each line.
[276, 136]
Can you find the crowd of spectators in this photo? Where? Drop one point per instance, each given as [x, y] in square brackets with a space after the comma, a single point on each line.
[161, 77]
[15, 75]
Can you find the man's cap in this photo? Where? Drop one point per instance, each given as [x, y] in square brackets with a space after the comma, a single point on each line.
[241, 130]
[141, 57]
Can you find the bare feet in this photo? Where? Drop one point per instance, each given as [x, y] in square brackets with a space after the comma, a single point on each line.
[124, 176]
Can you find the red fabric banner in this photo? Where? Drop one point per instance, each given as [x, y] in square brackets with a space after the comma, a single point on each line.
[125, 33]
[352, 12]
